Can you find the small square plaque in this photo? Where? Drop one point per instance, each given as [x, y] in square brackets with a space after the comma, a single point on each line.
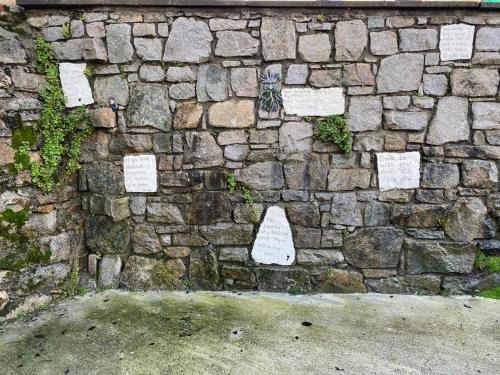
[140, 173]
[398, 170]
[456, 42]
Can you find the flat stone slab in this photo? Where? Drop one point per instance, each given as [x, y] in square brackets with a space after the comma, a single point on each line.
[117, 332]
[274, 242]
[311, 102]
[75, 85]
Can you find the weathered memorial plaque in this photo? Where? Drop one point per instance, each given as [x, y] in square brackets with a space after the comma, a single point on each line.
[311, 102]
[398, 170]
[75, 84]
[274, 243]
[140, 173]
[456, 42]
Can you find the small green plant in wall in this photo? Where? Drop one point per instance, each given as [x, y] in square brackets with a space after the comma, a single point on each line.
[491, 293]
[333, 129]
[245, 192]
[443, 221]
[485, 263]
[62, 132]
[66, 29]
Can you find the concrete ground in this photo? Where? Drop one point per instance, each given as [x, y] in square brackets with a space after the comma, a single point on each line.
[116, 332]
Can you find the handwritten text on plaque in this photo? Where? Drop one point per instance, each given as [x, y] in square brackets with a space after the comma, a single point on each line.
[456, 42]
[398, 170]
[274, 243]
[140, 173]
[311, 102]
[75, 84]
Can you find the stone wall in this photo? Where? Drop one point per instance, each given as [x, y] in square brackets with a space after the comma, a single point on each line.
[186, 84]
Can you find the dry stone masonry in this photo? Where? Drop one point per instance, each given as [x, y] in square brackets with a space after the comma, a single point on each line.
[405, 212]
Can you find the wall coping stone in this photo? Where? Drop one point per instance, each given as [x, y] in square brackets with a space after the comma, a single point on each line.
[478, 4]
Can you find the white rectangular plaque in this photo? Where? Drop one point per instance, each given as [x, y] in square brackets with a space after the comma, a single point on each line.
[311, 102]
[456, 42]
[75, 84]
[398, 170]
[140, 173]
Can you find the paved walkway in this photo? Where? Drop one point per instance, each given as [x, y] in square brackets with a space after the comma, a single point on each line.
[221, 333]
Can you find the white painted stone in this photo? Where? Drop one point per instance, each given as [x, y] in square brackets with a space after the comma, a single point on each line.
[456, 42]
[140, 173]
[398, 170]
[310, 102]
[274, 242]
[75, 84]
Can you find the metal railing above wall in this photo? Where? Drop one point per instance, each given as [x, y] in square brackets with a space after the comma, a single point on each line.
[475, 4]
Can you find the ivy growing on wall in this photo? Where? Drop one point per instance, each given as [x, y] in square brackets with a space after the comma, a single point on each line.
[62, 131]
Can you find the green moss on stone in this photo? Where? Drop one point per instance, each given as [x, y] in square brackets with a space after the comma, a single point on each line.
[490, 264]
[12, 262]
[21, 250]
[24, 134]
[492, 293]
[163, 275]
[16, 218]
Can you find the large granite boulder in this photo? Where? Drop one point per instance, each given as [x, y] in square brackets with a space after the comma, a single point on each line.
[204, 269]
[474, 82]
[439, 257]
[145, 240]
[278, 39]
[235, 43]
[466, 220]
[203, 151]
[307, 171]
[149, 107]
[104, 177]
[188, 32]
[418, 215]
[401, 72]
[345, 210]
[142, 273]
[449, 109]
[351, 38]
[211, 84]
[104, 236]
[120, 48]
[209, 207]
[263, 176]
[294, 280]
[377, 247]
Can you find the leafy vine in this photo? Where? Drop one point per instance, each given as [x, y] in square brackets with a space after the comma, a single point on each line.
[62, 131]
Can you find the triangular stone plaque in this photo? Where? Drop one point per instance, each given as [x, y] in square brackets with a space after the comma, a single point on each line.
[274, 242]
